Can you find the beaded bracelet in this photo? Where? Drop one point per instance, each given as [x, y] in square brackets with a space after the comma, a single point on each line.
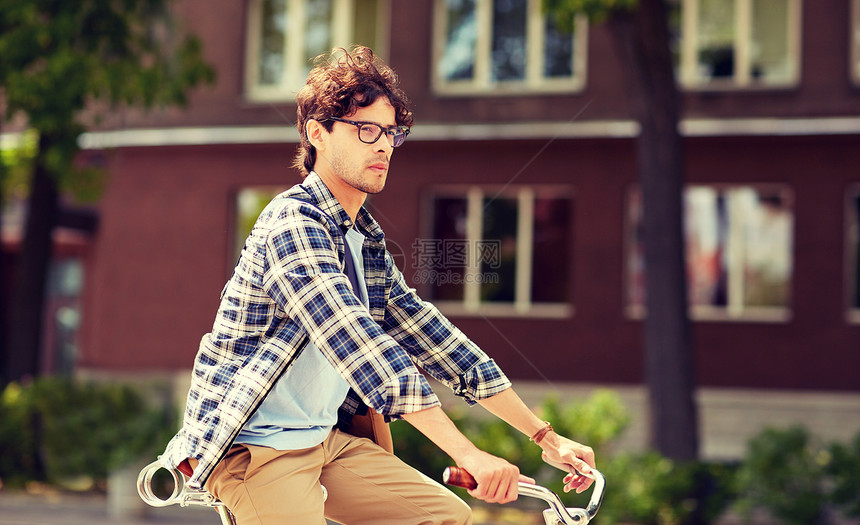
[539, 435]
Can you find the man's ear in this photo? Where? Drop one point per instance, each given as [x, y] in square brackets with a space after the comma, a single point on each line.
[316, 133]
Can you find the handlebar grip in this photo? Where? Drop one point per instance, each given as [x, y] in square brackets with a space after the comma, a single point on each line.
[459, 477]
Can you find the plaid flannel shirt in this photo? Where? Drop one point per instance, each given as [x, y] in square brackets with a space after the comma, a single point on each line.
[289, 287]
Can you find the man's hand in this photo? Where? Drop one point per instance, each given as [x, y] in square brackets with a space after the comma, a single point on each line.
[571, 457]
[558, 451]
[497, 479]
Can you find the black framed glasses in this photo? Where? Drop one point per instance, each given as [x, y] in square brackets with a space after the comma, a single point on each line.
[369, 133]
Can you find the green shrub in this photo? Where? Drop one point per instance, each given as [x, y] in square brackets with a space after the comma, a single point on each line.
[783, 473]
[844, 472]
[19, 459]
[641, 488]
[594, 421]
[647, 488]
[56, 428]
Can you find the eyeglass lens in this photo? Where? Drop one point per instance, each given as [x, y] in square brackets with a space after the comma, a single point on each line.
[369, 134]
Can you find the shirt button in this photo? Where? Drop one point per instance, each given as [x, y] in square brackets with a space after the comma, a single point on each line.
[347, 223]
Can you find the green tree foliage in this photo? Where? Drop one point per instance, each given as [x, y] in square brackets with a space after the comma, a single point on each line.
[59, 58]
[62, 65]
[16, 162]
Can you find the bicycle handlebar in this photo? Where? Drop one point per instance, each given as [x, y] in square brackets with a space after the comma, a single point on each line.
[557, 513]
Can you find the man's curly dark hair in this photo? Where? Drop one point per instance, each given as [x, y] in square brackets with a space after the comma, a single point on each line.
[340, 83]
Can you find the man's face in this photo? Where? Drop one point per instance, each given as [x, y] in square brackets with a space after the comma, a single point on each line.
[362, 166]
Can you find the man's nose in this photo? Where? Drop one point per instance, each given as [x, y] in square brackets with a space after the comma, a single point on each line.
[383, 144]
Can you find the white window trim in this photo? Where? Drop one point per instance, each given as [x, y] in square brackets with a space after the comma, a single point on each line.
[535, 82]
[717, 314]
[852, 235]
[522, 306]
[854, 31]
[734, 311]
[536, 311]
[294, 61]
[743, 21]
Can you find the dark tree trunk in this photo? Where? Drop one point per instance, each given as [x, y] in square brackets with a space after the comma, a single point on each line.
[4, 355]
[28, 290]
[642, 39]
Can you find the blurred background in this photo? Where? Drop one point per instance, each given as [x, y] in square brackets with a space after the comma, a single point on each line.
[654, 203]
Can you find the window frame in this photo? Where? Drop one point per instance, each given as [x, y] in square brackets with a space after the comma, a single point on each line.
[734, 310]
[521, 307]
[342, 36]
[535, 82]
[852, 252]
[741, 80]
[854, 32]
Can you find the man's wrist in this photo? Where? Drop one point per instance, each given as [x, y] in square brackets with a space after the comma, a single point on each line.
[550, 441]
[539, 435]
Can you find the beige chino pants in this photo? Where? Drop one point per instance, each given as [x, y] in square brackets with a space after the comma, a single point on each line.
[366, 485]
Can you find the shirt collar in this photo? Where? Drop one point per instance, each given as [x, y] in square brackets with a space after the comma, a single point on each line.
[327, 202]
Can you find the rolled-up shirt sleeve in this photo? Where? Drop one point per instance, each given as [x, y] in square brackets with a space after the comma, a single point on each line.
[302, 275]
[437, 345]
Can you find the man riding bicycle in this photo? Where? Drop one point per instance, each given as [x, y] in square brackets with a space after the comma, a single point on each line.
[317, 323]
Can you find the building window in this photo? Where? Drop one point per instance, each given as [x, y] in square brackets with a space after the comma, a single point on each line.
[855, 41]
[62, 310]
[284, 36]
[505, 46]
[738, 43]
[853, 253]
[497, 253]
[739, 245]
[250, 201]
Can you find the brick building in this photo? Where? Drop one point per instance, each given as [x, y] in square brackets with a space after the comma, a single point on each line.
[514, 203]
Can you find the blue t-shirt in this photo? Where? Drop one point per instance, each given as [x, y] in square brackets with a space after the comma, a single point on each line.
[301, 409]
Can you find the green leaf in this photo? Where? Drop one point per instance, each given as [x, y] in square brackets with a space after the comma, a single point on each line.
[59, 57]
